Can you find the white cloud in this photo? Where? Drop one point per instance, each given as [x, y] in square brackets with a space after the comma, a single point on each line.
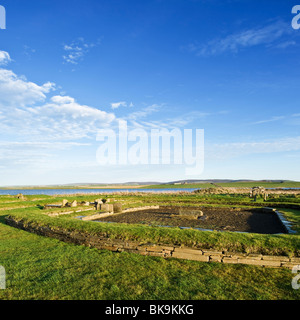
[17, 91]
[248, 38]
[143, 113]
[4, 58]
[62, 99]
[286, 44]
[62, 118]
[117, 105]
[76, 51]
[27, 110]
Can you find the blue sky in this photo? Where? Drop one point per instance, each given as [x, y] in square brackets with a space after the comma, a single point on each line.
[69, 68]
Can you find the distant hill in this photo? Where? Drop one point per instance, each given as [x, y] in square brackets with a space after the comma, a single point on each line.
[223, 181]
[132, 184]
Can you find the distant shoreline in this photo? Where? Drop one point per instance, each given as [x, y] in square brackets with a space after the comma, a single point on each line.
[170, 185]
[72, 187]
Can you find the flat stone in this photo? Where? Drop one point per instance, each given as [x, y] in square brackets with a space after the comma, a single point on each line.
[229, 260]
[215, 258]
[295, 260]
[268, 263]
[188, 251]
[156, 254]
[289, 265]
[235, 255]
[251, 262]
[195, 257]
[254, 256]
[154, 249]
[276, 258]
[208, 253]
[167, 248]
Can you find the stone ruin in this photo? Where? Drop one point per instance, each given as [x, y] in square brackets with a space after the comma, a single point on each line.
[21, 196]
[98, 204]
[258, 192]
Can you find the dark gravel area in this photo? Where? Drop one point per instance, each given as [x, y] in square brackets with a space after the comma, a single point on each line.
[225, 219]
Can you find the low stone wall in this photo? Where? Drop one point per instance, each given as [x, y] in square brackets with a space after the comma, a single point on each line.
[285, 223]
[102, 241]
[56, 214]
[108, 214]
[140, 209]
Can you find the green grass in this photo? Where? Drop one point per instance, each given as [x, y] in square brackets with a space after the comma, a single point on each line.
[40, 268]
[293, 216]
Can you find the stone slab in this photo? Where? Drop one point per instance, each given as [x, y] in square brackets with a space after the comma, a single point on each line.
[195, 257]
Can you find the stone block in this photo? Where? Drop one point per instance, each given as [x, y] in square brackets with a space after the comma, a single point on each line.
[117, 207]
[276, 258]
[107, 207]
[295, 260]
[188, 251]
[73, 204]
[156, 254]
[251, 262]
[229, 260]
[289, 265]
[190, 256]
[269, 263]
[215, 258]
[234, 255]
[209, 253]
[167, 248]
[154, 248]
[64, 203]
[254, 256]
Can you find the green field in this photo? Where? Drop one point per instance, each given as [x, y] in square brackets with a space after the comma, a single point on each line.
[284, 184]
[41, 268]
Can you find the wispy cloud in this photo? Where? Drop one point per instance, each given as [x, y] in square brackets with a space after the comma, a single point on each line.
[286, 44]
[270, 120]
[4, 58]
[28, 51]
[265, 35]
[143, 113]
[238, 149]
[34, 154]
[75, 51]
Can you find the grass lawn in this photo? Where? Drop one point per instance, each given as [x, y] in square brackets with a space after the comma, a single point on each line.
[40, 268]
